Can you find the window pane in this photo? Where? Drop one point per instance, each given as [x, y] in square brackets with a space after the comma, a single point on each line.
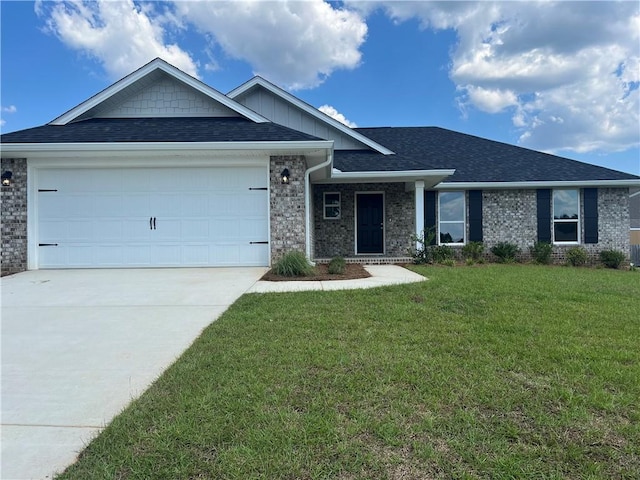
[332, 199]
[331, 212]
[565, 204]
[451, 206]
[452, 233]
[565, 231]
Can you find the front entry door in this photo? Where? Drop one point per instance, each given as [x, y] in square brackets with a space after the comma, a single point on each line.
[370, 223]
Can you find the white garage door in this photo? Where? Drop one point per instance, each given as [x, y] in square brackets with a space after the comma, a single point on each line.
[152, 217]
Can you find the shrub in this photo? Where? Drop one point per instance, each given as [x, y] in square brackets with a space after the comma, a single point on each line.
[473, 251]
[442, 253]
[541, 252]
[576, 256]
[337, 266]
[422, 254]
[612, 258]
[449, 262]
[293, 264]
[505, 251]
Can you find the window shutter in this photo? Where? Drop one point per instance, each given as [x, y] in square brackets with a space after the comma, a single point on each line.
[475, 215]
[590, 215]
[544, 215]
[430, 213]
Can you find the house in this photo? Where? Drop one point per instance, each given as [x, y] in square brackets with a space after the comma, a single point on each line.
[634, 213]
[161, 170]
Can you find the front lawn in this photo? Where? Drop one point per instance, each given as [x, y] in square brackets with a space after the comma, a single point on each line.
[481, 372]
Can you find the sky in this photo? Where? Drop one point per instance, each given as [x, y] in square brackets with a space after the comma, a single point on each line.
[559, 77]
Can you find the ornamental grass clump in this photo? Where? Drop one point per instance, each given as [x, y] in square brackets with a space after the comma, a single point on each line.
[337, 266]
[541, 252]
[293, 264]
[505, 251]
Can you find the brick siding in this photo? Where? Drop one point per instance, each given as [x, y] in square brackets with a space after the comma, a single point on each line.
[14, 218]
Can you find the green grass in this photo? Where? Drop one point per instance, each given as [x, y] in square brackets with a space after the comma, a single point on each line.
[483, 372]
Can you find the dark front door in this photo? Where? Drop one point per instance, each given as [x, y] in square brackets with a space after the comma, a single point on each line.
[370, 222]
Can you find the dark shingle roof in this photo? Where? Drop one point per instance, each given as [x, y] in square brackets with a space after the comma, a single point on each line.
[475, 159]
[179, 129]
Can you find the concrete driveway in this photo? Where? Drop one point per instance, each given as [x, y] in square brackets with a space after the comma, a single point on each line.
[79, 345]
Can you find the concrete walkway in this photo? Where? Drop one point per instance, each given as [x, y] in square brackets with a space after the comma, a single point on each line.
[381, 275]
[79, 345]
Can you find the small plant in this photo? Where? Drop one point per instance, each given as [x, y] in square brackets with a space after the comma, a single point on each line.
[505, 251]
[293, 264]
[441, 253]
[449, 262]
[337, 266]
[422, 253]
[541, 252]
[612, 258]
[473, 251]
[632, 267]
[469, 262]
[576, 256]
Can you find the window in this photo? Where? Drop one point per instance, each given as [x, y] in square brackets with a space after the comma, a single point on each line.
[451, 207]
[566, 216]
[331, 205]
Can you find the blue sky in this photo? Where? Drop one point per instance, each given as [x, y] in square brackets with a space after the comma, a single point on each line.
[560, 77]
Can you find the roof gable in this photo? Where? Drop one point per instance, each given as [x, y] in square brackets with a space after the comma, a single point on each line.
[283, 108]
[155, 81]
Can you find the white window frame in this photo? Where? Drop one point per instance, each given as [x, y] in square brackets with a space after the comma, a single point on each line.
[325, 205]
[577, 221]
[463, 221]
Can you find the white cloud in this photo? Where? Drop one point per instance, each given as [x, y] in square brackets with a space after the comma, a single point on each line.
[119, 34]
[569, 71]
[336, 115]
[295, 44]
[3, 122]
[10, 109]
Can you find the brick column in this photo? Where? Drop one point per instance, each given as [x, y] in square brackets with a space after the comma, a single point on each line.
[13, 256]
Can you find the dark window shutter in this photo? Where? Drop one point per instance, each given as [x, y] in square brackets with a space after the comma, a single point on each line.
[544, 215]
[475, 215]
[590, 215]
[430, 214]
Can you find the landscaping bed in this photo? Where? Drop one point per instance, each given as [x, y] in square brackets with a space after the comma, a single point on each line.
[352, 271]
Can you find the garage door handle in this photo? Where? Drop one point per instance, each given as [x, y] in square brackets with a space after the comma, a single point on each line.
[150, 223]
[258, 243]
[154, 223]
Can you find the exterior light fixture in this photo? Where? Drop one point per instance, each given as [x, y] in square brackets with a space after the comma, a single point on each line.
[6, 178]
[285, 176]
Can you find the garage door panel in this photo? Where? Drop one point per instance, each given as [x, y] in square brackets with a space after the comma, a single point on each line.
[203, 217]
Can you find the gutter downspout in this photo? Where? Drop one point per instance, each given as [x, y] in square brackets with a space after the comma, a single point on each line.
[307, 203]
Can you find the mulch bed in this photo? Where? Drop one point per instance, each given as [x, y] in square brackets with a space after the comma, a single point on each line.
[352, 270]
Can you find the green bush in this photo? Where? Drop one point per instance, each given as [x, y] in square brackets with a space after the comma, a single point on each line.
[293, 264]
[576, 256]
[505, 251]
[612, 258]
[541, 252]
[473, 251]
[337, 266]
[422, 253]
[441, 253]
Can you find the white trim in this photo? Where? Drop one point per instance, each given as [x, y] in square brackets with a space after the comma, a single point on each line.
[259, 81]
[384, 223]
[156, 64]
[539, 184]
[307, 200]
[577, 221]
[324, 206]
[419, 208]
[104, 147]
[634, 194]
[464, 220]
